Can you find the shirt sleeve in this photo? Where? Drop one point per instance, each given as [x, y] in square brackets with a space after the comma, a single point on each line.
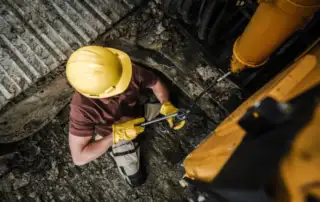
[80, 123]
[145, 78]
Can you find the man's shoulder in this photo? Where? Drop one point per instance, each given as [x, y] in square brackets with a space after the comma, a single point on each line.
[135, 68]
[79, 100]
[143, 76]
[81, 106]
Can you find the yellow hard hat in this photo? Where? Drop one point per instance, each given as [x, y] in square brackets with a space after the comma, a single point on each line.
[99, 72]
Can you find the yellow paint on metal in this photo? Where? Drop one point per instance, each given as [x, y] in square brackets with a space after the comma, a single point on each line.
[205, 162]
[299, 170]
[272, 23]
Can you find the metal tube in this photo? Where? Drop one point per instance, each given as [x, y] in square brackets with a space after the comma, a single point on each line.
[273, 22]
[158, 119]
[223, 76]
[209, 87]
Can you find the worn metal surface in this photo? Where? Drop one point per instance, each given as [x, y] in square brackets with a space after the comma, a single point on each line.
[34, 112]
[36, 36]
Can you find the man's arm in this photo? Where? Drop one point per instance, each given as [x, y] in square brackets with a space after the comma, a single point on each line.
[167, 108]
[82, 151]
[161, 92]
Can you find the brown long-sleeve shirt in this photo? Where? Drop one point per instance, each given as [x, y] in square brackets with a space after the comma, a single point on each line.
[90, 116]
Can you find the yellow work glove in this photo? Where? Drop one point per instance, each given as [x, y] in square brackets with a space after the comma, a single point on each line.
[127, 130]
[166, 109]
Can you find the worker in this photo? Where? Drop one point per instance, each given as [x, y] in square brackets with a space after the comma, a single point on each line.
[105, 110]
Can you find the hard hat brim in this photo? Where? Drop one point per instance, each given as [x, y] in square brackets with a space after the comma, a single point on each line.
[125, 78]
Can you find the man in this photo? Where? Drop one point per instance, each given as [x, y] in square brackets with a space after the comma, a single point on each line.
[105, 107]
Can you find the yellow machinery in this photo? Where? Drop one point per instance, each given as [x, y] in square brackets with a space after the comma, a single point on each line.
[273, 22]
[299, 169]
[297, 173]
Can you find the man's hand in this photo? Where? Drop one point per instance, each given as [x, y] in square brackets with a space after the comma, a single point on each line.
[166, 109]
[127, 130]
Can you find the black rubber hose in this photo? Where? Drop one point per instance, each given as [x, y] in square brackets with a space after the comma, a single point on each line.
[190, 11]
[208, 12]
[201, 11]
[234, 29]
[170, 7]
[179, 6]
[215, 29]
[185, 11]
[166, 6]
